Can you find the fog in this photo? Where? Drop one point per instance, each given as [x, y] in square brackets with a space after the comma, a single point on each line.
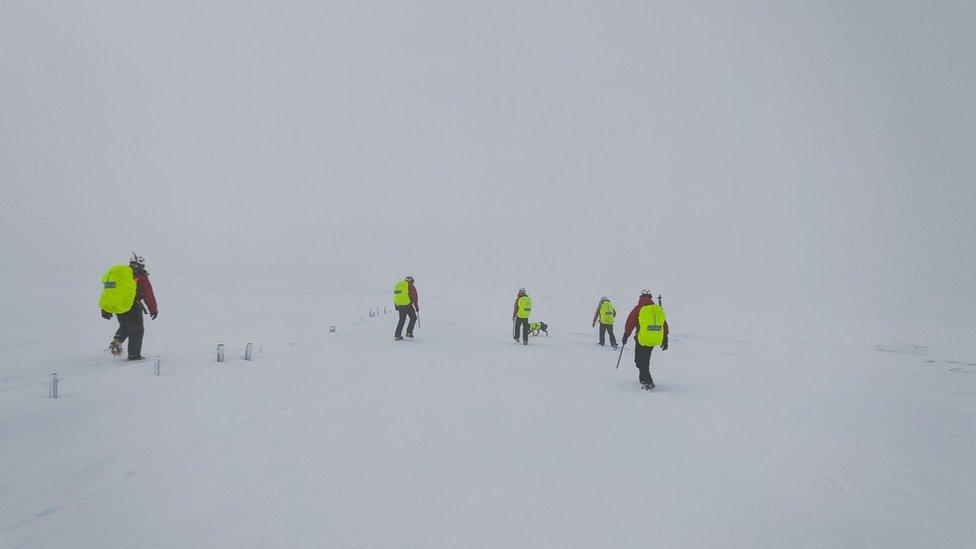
[818, 146]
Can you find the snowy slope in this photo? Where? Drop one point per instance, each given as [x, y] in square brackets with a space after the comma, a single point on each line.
[795, 179]
[463, 438]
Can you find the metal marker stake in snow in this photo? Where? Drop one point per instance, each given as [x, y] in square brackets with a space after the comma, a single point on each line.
[332, 329]
[220, 352]
[247, 352]
[156, 366]
[52, 389]
[621, 355]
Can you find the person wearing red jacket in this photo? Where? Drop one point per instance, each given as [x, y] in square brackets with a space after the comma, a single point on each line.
[407, 305]
[642, 354]
[130, 322]
[605, 313]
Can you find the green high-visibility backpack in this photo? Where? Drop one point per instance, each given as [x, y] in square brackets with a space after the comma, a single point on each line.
[118, 290]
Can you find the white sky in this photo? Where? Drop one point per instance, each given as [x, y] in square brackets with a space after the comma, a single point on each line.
[825, 145]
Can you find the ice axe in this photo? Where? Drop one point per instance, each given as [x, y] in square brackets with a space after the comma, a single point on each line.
[621, 355]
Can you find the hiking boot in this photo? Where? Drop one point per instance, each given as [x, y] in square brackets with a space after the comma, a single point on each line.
[397, 338]
[410, 336]
[135, 358]
[116, 347]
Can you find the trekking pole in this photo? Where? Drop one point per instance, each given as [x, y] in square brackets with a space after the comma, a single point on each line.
[622, 345]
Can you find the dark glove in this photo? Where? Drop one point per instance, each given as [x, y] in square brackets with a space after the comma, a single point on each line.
[626, 337]
[594, 324]
[106, 315]
[153, 315]
[664, 344]
[513, 319]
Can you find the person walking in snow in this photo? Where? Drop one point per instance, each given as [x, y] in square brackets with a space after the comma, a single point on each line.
[127, 293]
[520, 315]
[407, 305]
[651, 324]
[606, 314]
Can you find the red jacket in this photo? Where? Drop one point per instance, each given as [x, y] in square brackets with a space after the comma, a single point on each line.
[413, 297]
[632, 317]
[144, 292]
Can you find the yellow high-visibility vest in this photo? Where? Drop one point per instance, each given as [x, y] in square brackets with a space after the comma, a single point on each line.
[607, 312]
[524, 306]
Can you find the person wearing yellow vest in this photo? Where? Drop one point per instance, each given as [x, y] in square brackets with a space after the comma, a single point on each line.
[649, 320]
[407, 305]
[520, 316]
[606, 314]
[127, 293]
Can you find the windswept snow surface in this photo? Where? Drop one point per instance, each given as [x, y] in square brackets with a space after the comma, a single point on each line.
[461, 438]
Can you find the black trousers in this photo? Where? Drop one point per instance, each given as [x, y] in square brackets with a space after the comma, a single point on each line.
[642, 358]
[131, 328]
[405, 311]
[604, 329]
[521, 324]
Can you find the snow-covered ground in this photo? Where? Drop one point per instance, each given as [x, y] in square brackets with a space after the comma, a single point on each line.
[796, 179]
[827, 424]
